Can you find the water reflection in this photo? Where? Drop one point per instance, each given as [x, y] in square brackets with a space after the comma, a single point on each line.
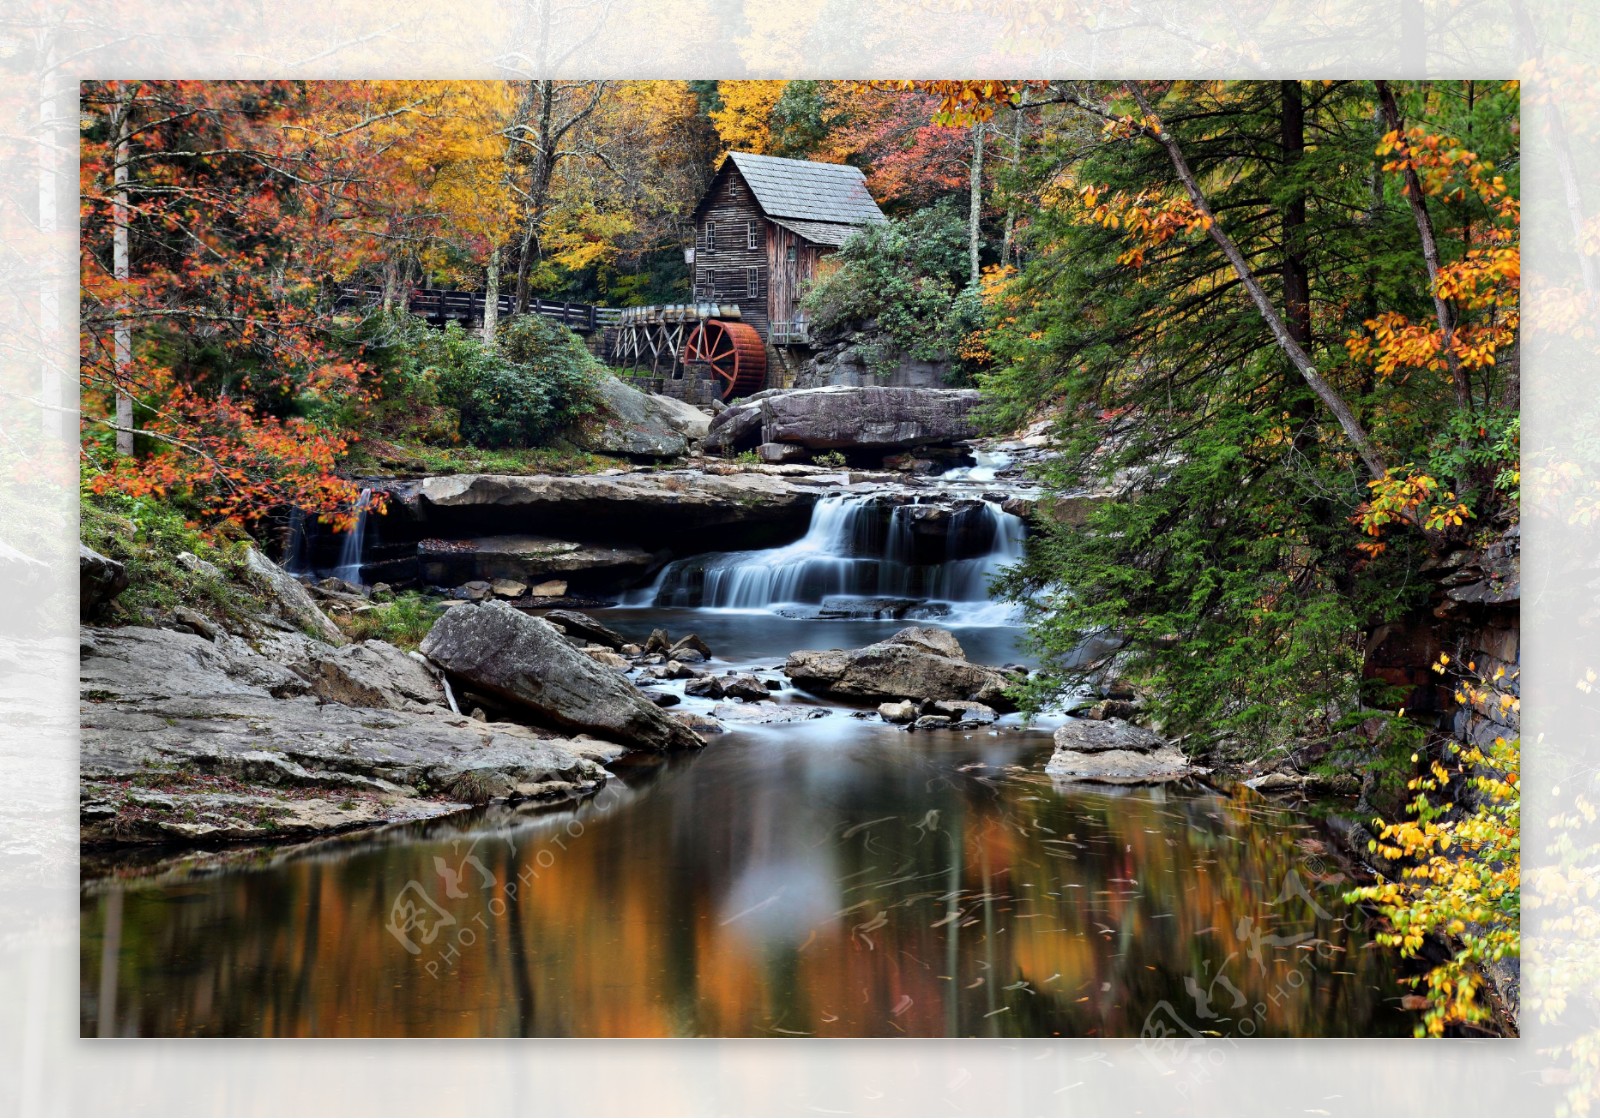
[834, 878]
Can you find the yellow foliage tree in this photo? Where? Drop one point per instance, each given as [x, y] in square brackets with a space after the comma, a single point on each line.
[1461, 873]
[744, 122]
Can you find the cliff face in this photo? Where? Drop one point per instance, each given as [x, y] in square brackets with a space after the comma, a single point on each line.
[1474, 618]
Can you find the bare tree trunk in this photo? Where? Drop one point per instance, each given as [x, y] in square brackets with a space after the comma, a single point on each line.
[976, 211]
[1430, 255]
[491, 298]
[391, 283]
[524, 250]
[1280, 331]
[1011, 207]
[122, 332]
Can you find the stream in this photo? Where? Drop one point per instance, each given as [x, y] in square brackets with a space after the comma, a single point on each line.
[827, 876]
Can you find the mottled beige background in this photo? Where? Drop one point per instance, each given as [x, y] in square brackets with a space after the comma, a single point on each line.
[46, 47]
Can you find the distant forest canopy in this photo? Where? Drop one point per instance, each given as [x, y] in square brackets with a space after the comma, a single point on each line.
[584, 188]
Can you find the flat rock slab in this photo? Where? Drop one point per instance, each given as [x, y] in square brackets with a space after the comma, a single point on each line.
[690, 498]
[766, 712]
[529, 559]
[189, 739]
[1121, 767]
[1090, 736]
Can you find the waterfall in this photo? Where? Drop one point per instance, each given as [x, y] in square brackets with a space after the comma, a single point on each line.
[858, 548]
[349, 568]
[986, 465]
[297, 556]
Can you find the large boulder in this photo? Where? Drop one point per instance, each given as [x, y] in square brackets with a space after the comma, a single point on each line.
[189, 739]
[630, 423]
[862, 354]
[736, 428]
[291, 602]
[1114, 752]
[584, 628]
[1092, 736]
[99, 580]
[916, 663]
[532, 560]
[932, 639]
[683, 417]
[869, 419]
[525, 660]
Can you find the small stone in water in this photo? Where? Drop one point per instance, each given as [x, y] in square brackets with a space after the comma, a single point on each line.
[690, 642]
[745, 687]
[903, 712]
[705, 687]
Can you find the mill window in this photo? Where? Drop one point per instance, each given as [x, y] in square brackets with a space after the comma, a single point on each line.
[753, 280]
[750, 235]
[711, 236]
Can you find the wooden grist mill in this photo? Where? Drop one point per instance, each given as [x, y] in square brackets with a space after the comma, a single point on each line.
[761, 230]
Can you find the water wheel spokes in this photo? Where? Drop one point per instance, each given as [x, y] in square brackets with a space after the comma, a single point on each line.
[732, 354]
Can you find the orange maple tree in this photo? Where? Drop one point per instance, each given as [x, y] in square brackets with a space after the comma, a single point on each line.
[217, 333]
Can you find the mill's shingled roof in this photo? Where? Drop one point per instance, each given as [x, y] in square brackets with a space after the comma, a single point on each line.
[823, 202]
[828, 233]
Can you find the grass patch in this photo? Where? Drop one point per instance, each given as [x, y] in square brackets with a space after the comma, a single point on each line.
[404, 622]
[379, 455]
[147, 536]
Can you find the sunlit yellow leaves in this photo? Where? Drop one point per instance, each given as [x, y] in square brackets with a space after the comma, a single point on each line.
[1148, 219]
[744, 121]
[1460, 877]
[965, 102]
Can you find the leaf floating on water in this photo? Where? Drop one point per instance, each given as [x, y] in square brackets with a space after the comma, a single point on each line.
[902, 1004]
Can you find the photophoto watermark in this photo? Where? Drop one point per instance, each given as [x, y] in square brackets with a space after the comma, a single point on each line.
[435, 928]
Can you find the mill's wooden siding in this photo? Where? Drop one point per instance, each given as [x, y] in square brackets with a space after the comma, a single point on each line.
[789, 277]
[726, 268]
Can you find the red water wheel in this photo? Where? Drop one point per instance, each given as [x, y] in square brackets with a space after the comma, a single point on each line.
[732, 353]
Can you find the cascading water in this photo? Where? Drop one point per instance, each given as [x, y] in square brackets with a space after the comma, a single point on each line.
[297, 556]
[932, 560]
[986, 464]
[349, 568]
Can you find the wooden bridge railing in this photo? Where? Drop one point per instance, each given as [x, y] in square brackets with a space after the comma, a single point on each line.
[445, 304]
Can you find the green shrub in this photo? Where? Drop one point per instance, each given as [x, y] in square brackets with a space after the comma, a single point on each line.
[910, 277]
[443, 386]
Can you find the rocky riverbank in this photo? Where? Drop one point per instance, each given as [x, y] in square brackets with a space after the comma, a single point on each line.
[273, 726]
